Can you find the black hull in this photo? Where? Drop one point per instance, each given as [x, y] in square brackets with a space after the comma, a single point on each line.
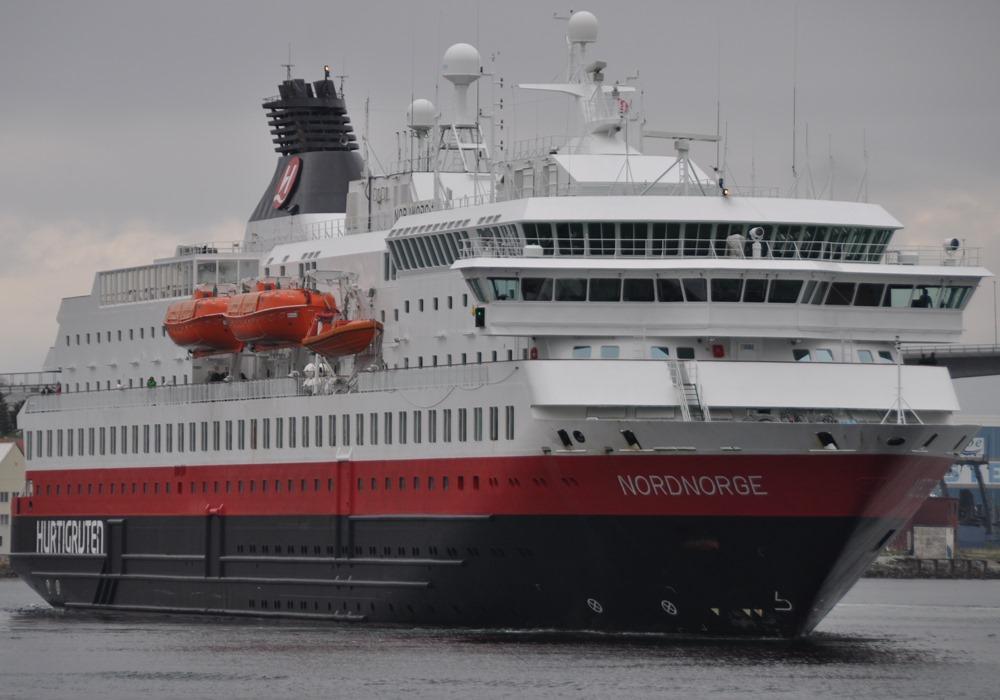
[740, 575]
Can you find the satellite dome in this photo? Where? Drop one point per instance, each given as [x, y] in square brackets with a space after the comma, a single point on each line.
[461, 64]
[582, 28]
[420, 115]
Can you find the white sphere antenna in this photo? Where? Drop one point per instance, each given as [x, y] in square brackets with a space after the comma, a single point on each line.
[420, 116]
[462, 67]
[951, 245]
[582, 28]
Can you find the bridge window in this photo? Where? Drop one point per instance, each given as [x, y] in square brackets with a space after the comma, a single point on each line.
[669, 290]
[601, 238]
[955, 297]
[570, 238]
[869, 294]
[539, 234]
[533, 289]
[695, 289]
[726, 289]
[633, 238]
[603, 289]
[755, 290]
[638, 290]
[841, 294]
[784, 291]
[571, 290]
[504, 288]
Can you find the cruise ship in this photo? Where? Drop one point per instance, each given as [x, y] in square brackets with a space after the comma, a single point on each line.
[558, 384]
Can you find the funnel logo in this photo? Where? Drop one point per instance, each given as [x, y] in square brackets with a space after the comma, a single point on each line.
[287, 182]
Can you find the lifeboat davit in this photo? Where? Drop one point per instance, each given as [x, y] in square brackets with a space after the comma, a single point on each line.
[198, 324]
[271, 318]
[344, 338]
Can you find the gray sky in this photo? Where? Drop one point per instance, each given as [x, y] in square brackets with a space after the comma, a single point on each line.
[127, 127]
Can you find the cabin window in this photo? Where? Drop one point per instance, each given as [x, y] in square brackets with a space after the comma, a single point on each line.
[865, 356]
[685, 353]
[726, 289]
[446, 425]
[609, 352]
[417, 427]
[305, 431]
[659, 352]
[581, 352]
[824, 355]
[402, 428]
[603, 289]
[292, 431]
[387, 427]
[801, 355]
[477, 424]
[885, 356]
[463, 417]
[373, 429]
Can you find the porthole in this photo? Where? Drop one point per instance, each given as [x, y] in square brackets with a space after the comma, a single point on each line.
[578, 436]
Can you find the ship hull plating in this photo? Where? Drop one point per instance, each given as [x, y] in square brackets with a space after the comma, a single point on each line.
[758, 576]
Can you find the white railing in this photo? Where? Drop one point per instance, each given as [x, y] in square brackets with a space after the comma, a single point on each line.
[424, 378]
[875, 253]
[165, 395]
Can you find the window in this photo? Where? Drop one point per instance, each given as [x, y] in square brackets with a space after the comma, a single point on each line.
[824, 355]
[215, 435]
[571, 289]
[784, 291]
[318, 425]
[417, 428]
[192, 438]
[601, 238]
[801, 355]
[265, 429]
[685, 353]
[241, 434]
[609, 352]
[494, 423]
[638, 290]
[305, 431]
[869, 294]
[157, 437]
[145, 439]
[509, 413]
[292, 431]
[885, 356]
[332, 430]
[754, 290]
[373, 429]
[432, 425]
[229, 435]
[402, 427]
[503, 288]
[345, 429]
[659, 352]
[204, 436]
[841, 294]
[279, 432]
[253, 433]
[359, 419]
[820, 293]
[581, 352]
[446, 424]
[462, 424]
[387, 427]
[865, 356]
[532, 289]
[477, 423]
[603, 289]
[669, 290]
[726, 289]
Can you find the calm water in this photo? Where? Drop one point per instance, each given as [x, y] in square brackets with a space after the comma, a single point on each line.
[887, 639]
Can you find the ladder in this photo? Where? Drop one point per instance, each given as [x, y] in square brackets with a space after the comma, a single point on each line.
[685, 380]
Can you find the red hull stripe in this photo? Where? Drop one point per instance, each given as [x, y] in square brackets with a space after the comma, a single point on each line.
[813, 485]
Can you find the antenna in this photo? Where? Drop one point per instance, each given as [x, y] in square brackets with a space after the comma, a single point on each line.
[795, 83]
[288, 66]
[863, 187]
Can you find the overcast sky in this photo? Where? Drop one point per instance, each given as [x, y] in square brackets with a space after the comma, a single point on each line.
[127, 127]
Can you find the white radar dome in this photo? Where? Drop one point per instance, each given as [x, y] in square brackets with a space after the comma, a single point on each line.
[420, 115]
[461, 64]
[582, 28]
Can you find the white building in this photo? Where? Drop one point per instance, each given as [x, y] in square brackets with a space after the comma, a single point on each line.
[11, 484]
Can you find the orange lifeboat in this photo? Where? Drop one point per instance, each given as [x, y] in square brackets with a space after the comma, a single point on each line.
[344, 338]
[198, 324]
[271, 318]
